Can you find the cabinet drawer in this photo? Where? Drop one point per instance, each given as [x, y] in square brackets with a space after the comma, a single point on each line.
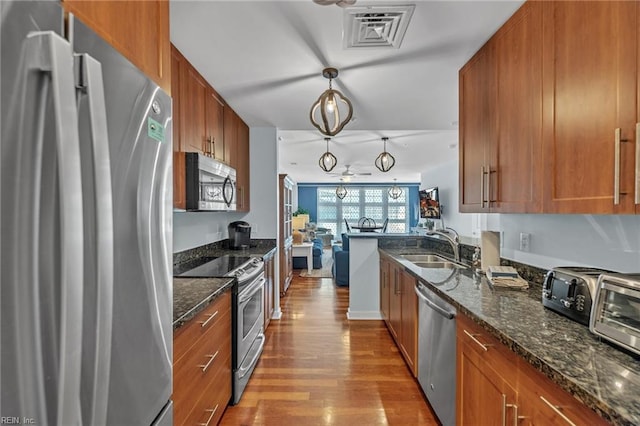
[476, 339]
[214, 397]
[210, 318]
[545, 403]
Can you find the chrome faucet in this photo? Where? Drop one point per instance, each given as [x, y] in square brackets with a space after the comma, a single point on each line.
[453, 241]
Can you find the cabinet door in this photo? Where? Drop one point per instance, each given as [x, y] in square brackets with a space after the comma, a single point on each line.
[243, 166]
[214, 140]
[137, 29]
[409, 321]
[230, 137]
[590, 85]
[515, 180]
[193, 91]
[384, 289]
[395, 302]
[179, 167]
[477, 128]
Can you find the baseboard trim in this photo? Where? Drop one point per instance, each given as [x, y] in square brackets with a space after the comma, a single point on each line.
[363, 315]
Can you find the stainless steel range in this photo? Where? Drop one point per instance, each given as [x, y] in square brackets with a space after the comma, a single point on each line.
[248, 317]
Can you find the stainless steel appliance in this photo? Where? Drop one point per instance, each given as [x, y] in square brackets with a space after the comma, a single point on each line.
[86, 227]
[248, 318]
[437, 353]
[239, 235]
[569, 290]
[615, 314]
[211, 185]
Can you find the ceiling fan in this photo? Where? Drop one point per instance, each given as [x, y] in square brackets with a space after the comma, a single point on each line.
[348, 174]
[341, 3]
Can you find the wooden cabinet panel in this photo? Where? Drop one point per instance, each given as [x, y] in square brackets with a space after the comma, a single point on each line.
[137, 29]
[179, 165]
[384, 289]
[486, 377]
[477, 83]
[409, 321]
[214, 113]
[202, 363]
[590, 85]
[243, 167]
[515, 180]
[193, 91]
[395, 302]
[230, 119]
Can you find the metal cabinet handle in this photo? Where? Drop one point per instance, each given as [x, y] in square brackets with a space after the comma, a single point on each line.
[485, 347]
[557, 410]
[205, 366]
[213, 413]
[211, 316]
[616, 169]
[489, 172]
[482, 186]
[515, 413]
[637, 197]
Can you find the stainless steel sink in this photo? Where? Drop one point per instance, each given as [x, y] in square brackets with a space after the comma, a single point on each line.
[424, 258]
[439, 265]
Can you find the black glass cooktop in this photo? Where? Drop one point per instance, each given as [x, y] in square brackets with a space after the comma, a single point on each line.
[218, 267]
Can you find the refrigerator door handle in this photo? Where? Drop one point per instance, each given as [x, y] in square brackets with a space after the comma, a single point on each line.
[48, 54]
[90, 81]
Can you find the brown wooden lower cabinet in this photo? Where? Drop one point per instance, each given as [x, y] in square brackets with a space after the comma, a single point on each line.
[202, 365]
[399, 307]
[499, 387]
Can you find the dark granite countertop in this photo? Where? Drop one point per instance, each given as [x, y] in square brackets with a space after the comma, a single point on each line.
[192, 295]
[602, 377]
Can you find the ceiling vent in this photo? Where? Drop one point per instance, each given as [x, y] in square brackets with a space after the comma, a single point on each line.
[375, 26]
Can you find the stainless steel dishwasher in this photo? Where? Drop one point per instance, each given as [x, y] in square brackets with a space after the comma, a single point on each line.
[437, 353]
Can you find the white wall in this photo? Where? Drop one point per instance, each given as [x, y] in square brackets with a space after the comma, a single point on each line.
[605, 241]
[195, 229]
[445, 177]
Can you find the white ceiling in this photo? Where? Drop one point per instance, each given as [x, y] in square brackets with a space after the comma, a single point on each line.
[266, 59]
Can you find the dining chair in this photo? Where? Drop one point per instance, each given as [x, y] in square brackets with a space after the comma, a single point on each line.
[347, 225]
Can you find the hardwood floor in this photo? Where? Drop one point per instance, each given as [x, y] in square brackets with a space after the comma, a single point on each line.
[318, 368]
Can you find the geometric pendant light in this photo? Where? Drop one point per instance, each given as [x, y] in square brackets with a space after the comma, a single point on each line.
[327, 161]
[395, 191]
[332, 111]
[385, 161]
[341, 191]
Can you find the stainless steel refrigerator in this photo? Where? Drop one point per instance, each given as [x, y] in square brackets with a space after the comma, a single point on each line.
[86, 221]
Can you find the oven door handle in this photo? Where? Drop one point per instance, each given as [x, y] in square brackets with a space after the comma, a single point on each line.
[244, 369]
[253, 289]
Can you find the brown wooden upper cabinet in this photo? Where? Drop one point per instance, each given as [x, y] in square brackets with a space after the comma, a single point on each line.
[500, 119]
[549, 112]
[203, 123]
[590, 87]
[137, 29]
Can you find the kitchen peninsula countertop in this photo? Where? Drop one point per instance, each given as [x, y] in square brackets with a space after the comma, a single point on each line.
[604, 378]
[192, 295]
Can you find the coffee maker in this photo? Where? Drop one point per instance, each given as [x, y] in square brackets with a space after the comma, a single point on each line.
[239, 235]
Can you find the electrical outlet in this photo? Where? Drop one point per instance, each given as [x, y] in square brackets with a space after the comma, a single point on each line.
[525, 241]
[501, 239]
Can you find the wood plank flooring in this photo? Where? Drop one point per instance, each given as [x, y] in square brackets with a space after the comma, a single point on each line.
[318, 368]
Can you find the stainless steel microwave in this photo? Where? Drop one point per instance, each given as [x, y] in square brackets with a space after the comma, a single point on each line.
[211, 185]
[615, 311]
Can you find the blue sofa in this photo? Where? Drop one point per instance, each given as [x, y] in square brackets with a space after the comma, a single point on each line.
[340, 268]
[301, 262]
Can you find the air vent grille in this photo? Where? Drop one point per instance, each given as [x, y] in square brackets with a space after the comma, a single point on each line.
[375, 26]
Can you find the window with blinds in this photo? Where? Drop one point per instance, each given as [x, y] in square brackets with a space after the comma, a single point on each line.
[362, 201]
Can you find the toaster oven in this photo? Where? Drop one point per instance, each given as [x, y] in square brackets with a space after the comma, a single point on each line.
[615, 312]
